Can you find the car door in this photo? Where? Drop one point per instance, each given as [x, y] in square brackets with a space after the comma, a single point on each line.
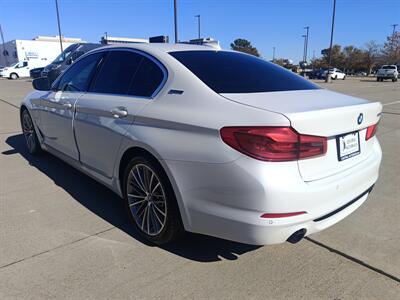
[58, 107]
[22, 69]
[125, 83]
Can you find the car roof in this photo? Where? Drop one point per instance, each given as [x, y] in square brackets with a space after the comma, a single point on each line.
[163, 47]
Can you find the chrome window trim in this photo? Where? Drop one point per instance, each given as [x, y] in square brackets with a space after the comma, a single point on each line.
[140, 52]
[118, 95]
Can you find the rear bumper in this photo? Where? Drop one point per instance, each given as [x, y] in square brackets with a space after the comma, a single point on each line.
[227, 200]
[344, 206]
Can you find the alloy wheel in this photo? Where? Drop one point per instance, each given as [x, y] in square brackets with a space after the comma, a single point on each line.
[29, 131]
[146, 199]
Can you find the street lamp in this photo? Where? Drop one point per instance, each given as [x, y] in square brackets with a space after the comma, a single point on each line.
[328, 75]
[273, 54]
[306, 46]
[198, 25]
[394, 28]
[394, 31]
[4, 47]
[59, 26]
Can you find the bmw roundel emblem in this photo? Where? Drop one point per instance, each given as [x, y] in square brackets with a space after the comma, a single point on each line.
[360, 118]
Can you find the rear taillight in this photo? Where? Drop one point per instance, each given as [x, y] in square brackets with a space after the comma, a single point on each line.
[371, 130]
[274, 143]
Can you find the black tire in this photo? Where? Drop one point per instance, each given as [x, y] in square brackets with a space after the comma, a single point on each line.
[28, 129]
[154, 226]
[344, 77]
[377, 79]
[14, 76]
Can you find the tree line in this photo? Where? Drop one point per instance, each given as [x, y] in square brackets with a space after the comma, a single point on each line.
[366, 59]
[348, 58]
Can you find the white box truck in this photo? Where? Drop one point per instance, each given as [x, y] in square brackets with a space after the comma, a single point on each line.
[20, 56]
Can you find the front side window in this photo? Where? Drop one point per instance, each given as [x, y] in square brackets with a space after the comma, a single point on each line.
[234, 72]
[77, 77]
[117, 72]
[22, 64]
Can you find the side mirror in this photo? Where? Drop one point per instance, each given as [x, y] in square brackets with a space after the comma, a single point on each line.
[41, 84]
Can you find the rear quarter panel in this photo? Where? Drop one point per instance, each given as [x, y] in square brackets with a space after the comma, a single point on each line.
[186, 126]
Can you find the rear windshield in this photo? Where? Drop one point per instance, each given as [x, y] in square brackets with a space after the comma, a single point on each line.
[234, 72]
[388, 67]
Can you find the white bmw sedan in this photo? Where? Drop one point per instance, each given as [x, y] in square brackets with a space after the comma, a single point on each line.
[215, 142]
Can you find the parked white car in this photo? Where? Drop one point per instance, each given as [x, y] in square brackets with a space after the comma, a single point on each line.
[18, 70]
[335, 74]
[208, 141]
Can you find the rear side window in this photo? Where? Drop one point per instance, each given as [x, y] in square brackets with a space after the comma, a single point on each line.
[117, 72]
[78, 76]
[234, 72]
[147, 79]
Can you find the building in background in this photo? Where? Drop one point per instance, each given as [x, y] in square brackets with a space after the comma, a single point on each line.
[110, 40]
[41, 49]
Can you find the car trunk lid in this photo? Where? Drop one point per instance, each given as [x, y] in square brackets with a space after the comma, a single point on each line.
[322, 113]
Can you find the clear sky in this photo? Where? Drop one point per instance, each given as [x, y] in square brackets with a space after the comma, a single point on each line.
[265, 23]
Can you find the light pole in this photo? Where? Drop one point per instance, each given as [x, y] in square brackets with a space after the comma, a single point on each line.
[394, 28]
[394, 31]
[328, 75]
[4, 47]
[306, 47]
[273, 53]
[175, 22]
[59, 26]
[198, 25]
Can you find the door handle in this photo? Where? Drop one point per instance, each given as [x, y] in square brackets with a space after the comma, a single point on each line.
[67, 105]
[119, 112]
